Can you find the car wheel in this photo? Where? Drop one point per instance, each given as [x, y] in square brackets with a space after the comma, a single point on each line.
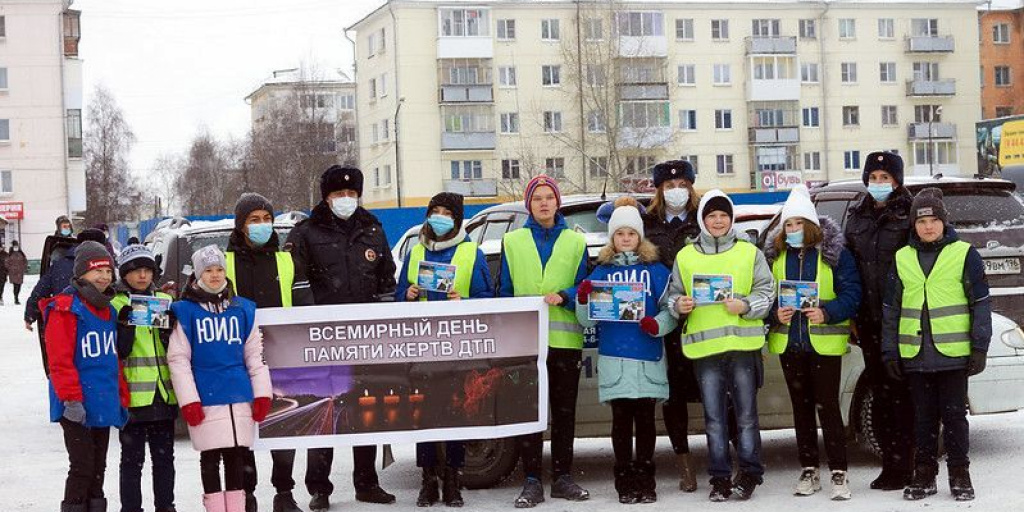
[489, 462]
[864, 426]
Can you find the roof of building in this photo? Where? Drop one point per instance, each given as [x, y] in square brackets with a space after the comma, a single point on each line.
[294, 76]
[1000, 5]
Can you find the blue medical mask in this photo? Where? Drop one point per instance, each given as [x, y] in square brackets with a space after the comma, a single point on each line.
[441, 224]
[795, 239]
[880, 191]
[65, 232]
[259, 234]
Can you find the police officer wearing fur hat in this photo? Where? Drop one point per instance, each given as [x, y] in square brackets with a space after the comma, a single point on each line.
[341, 256]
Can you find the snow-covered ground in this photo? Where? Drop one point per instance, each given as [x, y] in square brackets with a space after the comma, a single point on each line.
[33, 463]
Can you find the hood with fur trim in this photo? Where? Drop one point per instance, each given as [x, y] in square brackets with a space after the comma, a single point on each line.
[831, 246]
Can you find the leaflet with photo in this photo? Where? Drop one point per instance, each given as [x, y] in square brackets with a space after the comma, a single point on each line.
[149, 311]
[436, 277]
[711, 288]
[616, 302]
[798, 294]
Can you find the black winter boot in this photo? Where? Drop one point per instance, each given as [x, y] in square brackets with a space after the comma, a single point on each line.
[625, 483]
[429, 494]
[744, 485]
[97, 505]
[74, 507]
[721, 488]
[891, 480]
[452, 488]
[922, 485]
[285, 502]
[645, 482]
[960, 483]
[376, 495]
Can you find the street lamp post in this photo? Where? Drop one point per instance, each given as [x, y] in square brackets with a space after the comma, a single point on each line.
[398, 155]
[937, 111]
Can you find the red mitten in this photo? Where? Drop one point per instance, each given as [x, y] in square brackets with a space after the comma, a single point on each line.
[260, 408]
[583, 291]
[193, 413]
[649, 325]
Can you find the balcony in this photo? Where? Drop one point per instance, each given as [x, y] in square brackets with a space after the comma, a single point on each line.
[653, 91]
[774, 135]
[468, 141]
[919, 131]
[778, 89]
[471, 93]
[643, 46]
[465, 47]
[930, 44]
[946, 87]
[644, 138]
[465, 80]
[472, 188]
[771, 45]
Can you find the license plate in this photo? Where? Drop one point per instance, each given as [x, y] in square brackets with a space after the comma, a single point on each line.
[1002, 266]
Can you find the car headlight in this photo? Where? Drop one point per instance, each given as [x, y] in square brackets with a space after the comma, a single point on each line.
[1013, 338]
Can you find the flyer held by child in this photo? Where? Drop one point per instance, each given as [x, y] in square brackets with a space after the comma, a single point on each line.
[616, 302]
[798, 294]
[711, 288]
[436, 277]
[149, 311]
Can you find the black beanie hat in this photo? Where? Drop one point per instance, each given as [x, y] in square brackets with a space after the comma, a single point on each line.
[248, 203]
[92, 235]
[90, 255]
[337, 178]
[883, 161]
[451, 201]
[928, 202]
[674, 169]
[62, 219]
[717, 204]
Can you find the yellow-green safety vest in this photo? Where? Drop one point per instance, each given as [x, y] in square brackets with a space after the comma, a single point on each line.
[531, 278]
[826, 339]
[464, 260]
[285, 274]
[145, 368]
[710, 329]
[949, 314]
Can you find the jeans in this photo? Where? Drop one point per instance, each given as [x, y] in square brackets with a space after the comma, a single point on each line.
[563, 387]
[159, 436]
[940, 396]
[454, 454]
[813, 382]
[731, 376]
[87, 455]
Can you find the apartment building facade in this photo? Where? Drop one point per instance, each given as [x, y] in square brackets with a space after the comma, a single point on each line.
[476, 97]
[1001, 29]
[42, 174]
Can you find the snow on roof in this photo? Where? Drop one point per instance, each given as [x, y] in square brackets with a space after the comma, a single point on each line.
[296, 75]
[1000, 5]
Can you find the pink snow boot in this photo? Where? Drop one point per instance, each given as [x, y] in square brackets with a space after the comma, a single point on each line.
[214, 502]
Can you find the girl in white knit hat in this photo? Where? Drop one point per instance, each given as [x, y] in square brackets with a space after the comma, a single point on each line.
[631, 367]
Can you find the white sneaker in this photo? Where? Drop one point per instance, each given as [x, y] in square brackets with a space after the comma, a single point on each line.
[840, 486]
[809, 483]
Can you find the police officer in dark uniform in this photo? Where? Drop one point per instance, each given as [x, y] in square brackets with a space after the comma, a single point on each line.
[342, 256]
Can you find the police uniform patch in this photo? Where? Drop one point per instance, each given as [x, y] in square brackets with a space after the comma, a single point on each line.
[371, 255]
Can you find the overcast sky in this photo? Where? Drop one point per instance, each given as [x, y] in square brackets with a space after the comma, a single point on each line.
[175, 67]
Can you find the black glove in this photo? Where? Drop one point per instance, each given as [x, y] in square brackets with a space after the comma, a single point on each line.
[124, 314]
[976, 364]
[893, 370]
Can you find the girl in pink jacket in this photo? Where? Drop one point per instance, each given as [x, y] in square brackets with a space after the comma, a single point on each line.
[216, 360]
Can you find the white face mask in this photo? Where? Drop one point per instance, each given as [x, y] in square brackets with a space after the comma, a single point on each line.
[676, 198]
[344, 207]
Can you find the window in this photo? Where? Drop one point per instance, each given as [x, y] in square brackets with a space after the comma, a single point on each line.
[941, 153]
[598, 167]
[924, 27]
[808, 29]
[382, 42]
[809, 72]
[554, 167]
[1001, 33]
[6, 182]
[551, 76]
[595, 75]
[926, 71]
[510, 169]
[688, 120]
[693, 159]
[549, 30]
[371, 45]
[467, 170]
[510, 122]
[812, 161]
[640, 165]
[848, 72]
[687, 74]
[684, 29]
[765, 28]
[646, 114]
[722, 74]
[810, 117]
[851, 160]
[889, 115]
[387, 176]
[847, 28]
[385, 129]
[927, 114]
[3, 79]
[594, 29]
[74, 130]
[595, 122]
[723, 164]
[886, 28]
[764, 68]
[376, 134]
[346, 101]
[1002, 76]
[465, 22]
[373, 88]
[382, 177]
[506, 30]
[467, 119]
[507, 76]
[765, 117]
[723, 119]
[887, 72]
[552, 121]
[3, 26]
[1004, 111]
[639, 24]
[720, 30]
[851, 116]
[383, 83]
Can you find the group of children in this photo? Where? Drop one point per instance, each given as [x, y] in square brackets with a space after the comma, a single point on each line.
[934, 335]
